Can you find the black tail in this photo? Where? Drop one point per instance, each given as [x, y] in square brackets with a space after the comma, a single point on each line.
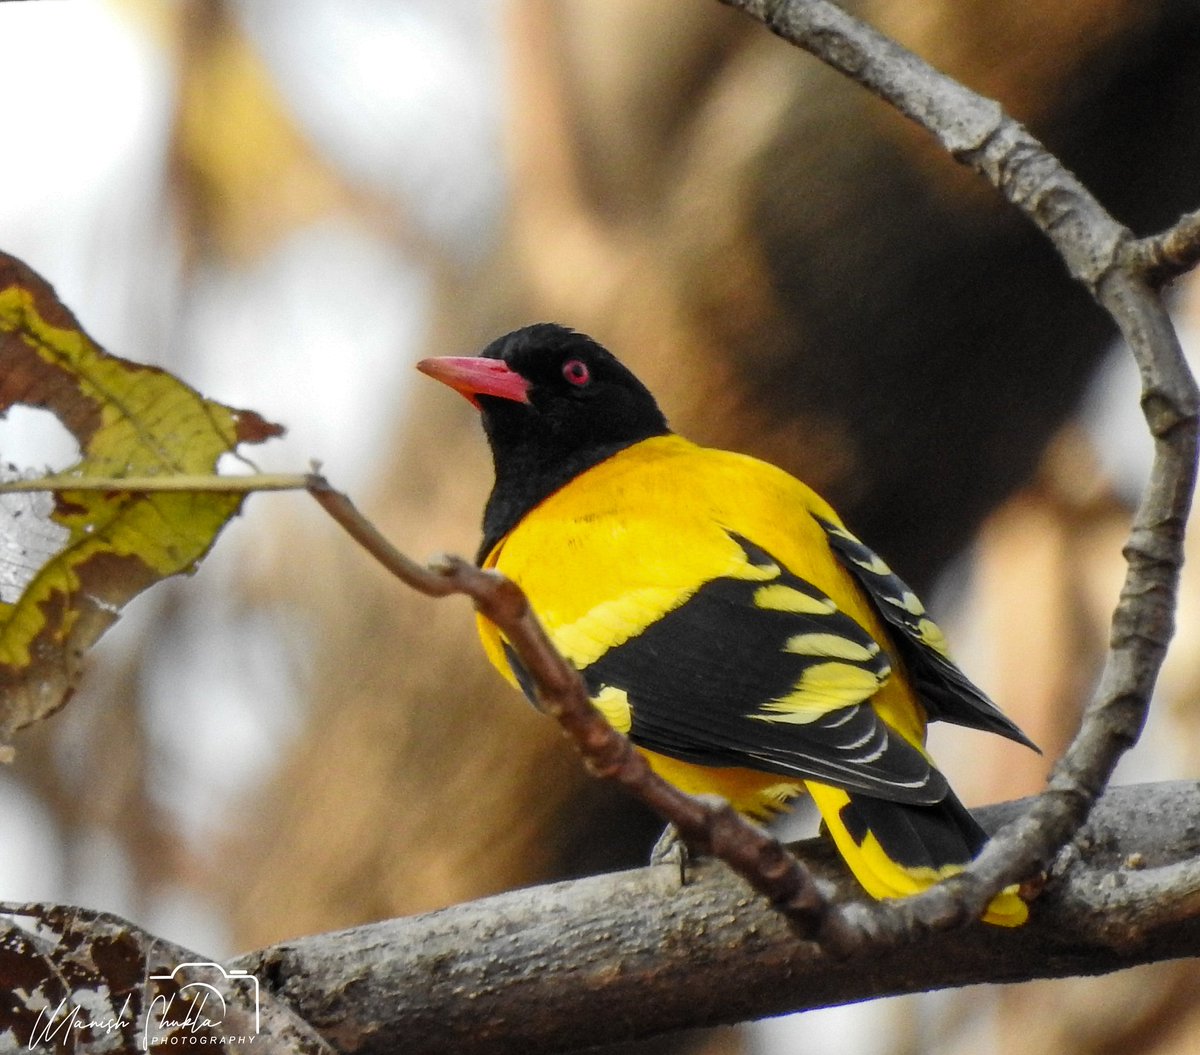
[895, 849]
[916, 837]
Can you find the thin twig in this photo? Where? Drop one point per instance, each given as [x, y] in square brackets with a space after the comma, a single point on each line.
[344, 512]
[1167, 255]
[710, 825]
[199, 482]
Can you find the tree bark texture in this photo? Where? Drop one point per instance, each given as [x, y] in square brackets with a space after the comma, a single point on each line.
[632, 954]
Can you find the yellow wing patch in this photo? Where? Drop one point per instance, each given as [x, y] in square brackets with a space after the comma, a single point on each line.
[780, 598]
[613, 703]
[832, 646]
[931, 634]
[612, 623]
[744, 569]
[876, 565]
[822, 688]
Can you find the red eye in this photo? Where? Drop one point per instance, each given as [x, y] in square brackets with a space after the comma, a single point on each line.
[576, 371]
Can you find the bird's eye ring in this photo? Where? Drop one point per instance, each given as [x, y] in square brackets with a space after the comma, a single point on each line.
[576, 372]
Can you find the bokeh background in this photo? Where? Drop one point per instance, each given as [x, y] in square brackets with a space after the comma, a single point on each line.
[287, 202]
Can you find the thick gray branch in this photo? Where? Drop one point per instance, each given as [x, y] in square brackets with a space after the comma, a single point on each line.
[632, 954]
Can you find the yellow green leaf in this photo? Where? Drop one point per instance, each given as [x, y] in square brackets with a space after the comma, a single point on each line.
[69, 560]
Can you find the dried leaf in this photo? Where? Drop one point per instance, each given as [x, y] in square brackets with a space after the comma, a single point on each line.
[94, 984]
[70, 560]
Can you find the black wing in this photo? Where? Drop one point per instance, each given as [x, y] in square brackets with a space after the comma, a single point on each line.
[765, 673]
[947, 693]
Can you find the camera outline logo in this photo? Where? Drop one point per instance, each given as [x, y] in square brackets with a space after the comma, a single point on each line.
[203, 999]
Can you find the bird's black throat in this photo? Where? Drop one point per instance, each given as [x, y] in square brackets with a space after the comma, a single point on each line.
[579, 406]
[526, 475]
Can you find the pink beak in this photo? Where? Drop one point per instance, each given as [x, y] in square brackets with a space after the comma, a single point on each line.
[472, 376]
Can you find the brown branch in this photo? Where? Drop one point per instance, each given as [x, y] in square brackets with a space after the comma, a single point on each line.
[708, 824]
[1160, 258]
[1098, 252]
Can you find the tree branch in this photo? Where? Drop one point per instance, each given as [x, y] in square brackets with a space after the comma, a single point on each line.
[622, 956]
[199, 483]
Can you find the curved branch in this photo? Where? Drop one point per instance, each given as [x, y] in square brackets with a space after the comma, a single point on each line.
[1103, 255]
[614, 957]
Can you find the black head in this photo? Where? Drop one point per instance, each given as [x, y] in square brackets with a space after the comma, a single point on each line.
[580, 396]
[554, 403]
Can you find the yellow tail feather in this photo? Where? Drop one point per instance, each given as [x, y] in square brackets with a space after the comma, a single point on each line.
[884, 878]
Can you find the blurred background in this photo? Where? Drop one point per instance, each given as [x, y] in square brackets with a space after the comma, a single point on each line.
[287, 202]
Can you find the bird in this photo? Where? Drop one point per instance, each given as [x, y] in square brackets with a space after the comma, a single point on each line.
[720, 613]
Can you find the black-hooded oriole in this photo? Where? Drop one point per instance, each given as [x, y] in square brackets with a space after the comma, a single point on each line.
[720, 612]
